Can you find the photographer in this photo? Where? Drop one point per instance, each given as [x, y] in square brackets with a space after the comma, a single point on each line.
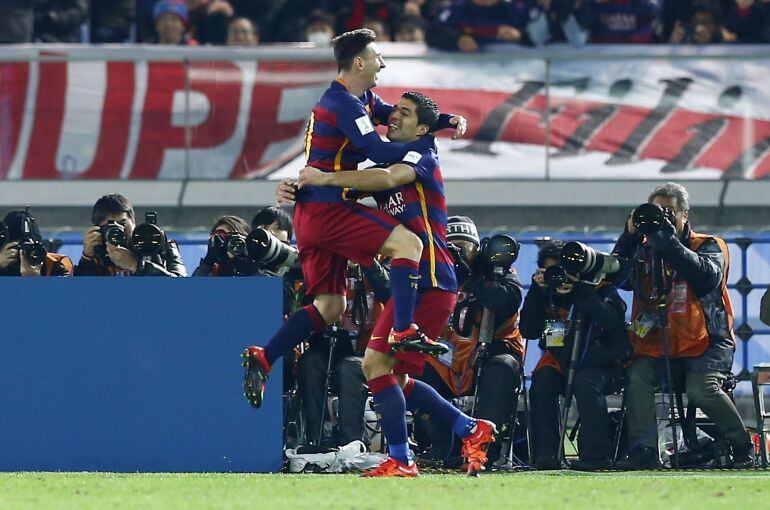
[367, 290]
[22, 252]
[452, 374]
[546, 316]
[113, 217]
[219, 261]
[276, 221]
[687, 271]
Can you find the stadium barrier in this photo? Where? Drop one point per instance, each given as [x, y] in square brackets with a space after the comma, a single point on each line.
[136, 374]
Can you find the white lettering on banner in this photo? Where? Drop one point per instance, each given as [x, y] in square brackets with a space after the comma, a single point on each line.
[19, 159]
[137, 107]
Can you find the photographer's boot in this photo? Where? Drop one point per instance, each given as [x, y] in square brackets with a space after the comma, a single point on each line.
[744, 457]
[640, 457]
[254, 379]
[414, 340]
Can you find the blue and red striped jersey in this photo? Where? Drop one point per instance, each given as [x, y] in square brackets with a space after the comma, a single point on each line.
[421, 207]
[340, 134]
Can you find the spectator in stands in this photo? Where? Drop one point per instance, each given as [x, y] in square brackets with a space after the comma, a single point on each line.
[703, 27]
[171, 21]
[13, 261]
[622, 21]
[558, 21]
[351, 14]
[209, 20]
[701, 336]
[379, 27]
[452, 375]
[277, 20]
[242, 32]
[320, 28]
[51, 21]
[410, 28]
[546, 316]
[111, 20]
[107, 259]
[468, 24]
[749, 21]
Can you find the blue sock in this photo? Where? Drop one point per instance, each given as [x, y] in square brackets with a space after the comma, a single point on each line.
[422, 396]
[295, 329]
[390, 405]
[403, 284]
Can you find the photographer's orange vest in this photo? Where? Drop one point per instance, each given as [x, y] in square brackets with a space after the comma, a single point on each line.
[459, 376]
[688, 332]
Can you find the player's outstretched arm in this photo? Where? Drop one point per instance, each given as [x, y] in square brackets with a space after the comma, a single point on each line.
[383, 109]
[371, 179]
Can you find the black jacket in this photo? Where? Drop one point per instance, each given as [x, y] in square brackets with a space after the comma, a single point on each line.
[605, 328]
[168, 263]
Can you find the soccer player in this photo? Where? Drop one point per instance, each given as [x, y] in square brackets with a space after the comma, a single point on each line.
[412, 191]
[331, 229]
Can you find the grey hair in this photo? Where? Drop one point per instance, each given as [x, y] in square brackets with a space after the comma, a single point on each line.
[672, 190]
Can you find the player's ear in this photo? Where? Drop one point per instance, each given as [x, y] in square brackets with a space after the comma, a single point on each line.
[423, 129]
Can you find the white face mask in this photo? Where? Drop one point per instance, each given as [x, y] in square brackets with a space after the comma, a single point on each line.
[319, 38]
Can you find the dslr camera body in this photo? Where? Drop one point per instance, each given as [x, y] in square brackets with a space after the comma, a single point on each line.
[582, 262]
[29, 246]
[260, 250]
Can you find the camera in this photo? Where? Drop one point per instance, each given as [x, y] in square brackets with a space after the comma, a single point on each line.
[32, 249]
[148, 239]
[555, 276]
[113, 233]
[497, 253]
[3, 234]
[650, 218]
[235, 245]
[589, 265]
[270, 252]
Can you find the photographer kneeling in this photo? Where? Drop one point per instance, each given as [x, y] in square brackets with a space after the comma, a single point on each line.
[499, 362]
[22, 252]
[226, 247]
[685, 272]
[549, 314]
[115, 246]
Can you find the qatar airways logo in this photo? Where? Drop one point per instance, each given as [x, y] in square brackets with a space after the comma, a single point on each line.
[395, 204]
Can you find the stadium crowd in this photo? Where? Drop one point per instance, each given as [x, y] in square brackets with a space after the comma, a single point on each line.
[456, 25]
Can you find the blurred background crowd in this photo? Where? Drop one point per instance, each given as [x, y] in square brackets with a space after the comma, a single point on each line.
[459, 25]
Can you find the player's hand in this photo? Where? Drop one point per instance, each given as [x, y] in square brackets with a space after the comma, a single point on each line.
[122, 257]
[461, 125]
[508, 34]
[310, 176]
[91, 239]
[9, 254]
[467, 44]
[27, 269]
[285, 192]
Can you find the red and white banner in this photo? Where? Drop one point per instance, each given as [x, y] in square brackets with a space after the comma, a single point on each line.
[120, 118]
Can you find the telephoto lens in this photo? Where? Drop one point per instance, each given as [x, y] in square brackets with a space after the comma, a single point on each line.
[33, 251]
[113, 233]
[498, 252]
[148, 240]
[586, 263]
[650, 218]
[267, 250]
[236, 246]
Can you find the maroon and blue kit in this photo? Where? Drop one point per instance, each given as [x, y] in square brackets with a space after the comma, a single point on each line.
[331, 229]
[421, 207]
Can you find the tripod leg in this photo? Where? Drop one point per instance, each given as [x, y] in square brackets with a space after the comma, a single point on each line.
[332, 342]
[619, 431]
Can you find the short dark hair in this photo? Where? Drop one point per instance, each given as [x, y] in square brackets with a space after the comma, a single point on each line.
[111, 204]
[350, 44]
[234, 223]
[270, 215]
[427, 109]
[550, 250]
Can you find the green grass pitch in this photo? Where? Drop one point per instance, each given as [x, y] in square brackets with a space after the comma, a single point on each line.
[725, 490]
